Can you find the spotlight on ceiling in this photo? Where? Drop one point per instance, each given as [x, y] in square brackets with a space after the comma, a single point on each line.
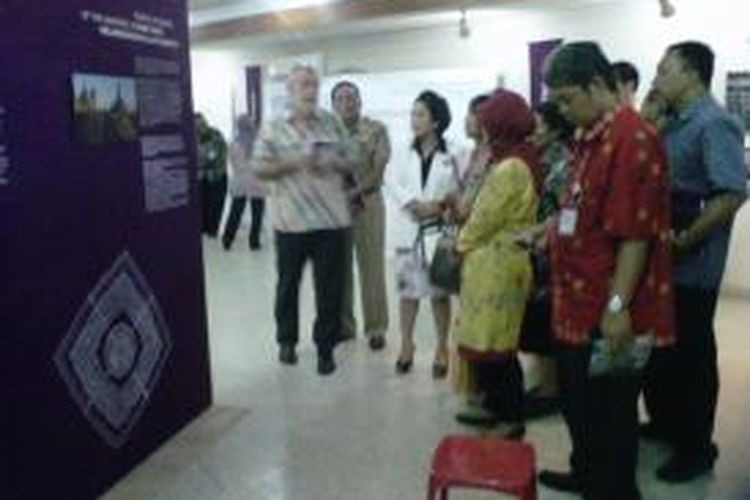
[667, 9]
[463, 25]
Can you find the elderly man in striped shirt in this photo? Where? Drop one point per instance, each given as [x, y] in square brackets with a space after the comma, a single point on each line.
[305, 156]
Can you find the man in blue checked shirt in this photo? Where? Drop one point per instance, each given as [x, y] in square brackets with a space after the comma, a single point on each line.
[706, 157]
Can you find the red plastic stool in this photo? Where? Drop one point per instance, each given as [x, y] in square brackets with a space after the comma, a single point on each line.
[483, 463]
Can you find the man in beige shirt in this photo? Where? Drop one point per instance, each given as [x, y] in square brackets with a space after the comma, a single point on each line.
[305, 157]
[367, 237]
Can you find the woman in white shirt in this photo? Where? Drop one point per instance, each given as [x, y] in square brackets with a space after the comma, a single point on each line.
[418, 187]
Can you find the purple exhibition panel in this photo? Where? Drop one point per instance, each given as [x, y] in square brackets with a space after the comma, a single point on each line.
[254, 88]
[103, 344]
[538, 53]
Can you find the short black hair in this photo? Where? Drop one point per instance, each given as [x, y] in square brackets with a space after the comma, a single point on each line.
[624, 72]
[550, 113]
[477, 101]
[340, 85]
[578, 64]
[439, 111]
[697, 56]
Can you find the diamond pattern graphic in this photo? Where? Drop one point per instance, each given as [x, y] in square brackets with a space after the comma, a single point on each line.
[112, 357]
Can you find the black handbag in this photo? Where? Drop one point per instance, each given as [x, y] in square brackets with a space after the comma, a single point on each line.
[445, 267]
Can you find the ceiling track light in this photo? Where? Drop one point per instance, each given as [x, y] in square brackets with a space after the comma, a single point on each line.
[463, 25]
[667, 9]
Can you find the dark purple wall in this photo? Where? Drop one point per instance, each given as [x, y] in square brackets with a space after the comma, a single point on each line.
[254, 89]
[538, 53]
[72, 217]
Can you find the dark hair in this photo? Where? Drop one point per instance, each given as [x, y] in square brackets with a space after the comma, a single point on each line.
[578, 64]
[624, 72]
[550, 113]
[697, 56]
[340, 85]
[477, 101]
[440, 112]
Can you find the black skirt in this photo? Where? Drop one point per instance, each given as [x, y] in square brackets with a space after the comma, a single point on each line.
[536, 329]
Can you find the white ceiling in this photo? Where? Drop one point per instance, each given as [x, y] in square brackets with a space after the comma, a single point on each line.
[208, 11]
[213, 10]
[253, 6]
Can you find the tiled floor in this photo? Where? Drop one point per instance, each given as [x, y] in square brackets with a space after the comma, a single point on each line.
[366, 433]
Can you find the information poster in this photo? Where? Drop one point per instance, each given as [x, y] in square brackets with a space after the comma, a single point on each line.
[103, 345]
[738, 96]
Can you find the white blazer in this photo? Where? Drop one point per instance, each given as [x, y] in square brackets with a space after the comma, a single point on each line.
[404, 183]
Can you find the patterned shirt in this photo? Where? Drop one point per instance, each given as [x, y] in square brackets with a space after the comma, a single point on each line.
[555, 162]
[304, 202]
[706, 157]
[619, 187]
[375, 151]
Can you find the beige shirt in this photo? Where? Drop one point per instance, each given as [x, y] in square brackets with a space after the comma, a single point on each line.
[303, 202]
[375, 153]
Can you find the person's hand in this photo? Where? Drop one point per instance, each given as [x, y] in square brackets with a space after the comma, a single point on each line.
[617, 330]
[327, 159]
[525, 239]
[293, 160]
[425, 210]
[532, 238]
[680, 245]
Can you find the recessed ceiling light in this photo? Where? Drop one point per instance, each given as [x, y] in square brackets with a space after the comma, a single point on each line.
[667, 9]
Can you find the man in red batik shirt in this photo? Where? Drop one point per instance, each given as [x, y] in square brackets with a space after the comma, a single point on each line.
[611, 274]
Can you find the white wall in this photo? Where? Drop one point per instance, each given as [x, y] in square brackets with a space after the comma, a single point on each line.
[627, 29]
[218, 86]
[737, 275]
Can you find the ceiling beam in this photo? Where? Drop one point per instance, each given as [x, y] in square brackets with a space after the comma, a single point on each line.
[305, 18]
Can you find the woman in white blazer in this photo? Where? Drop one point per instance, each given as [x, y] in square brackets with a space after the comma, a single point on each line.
[418, 187]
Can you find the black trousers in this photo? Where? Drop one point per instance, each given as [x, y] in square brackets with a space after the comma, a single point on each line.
[682, 383]
[326, 250]
[601, 414]
[237, 208]
[501, 383]
[213, 194]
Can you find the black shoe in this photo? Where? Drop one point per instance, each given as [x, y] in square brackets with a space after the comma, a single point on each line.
[226, 244]
[683, 467]
[254, 245]
[561, 481]
[439, 371]
[541, 406]
[326, 364]
[377, 343]
[287, 355]
[403, 366]
[477, 419]
[345, 337]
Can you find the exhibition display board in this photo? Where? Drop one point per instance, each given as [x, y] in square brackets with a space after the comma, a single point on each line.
[103, 343]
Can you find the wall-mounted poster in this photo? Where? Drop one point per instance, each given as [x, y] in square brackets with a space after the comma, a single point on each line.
[738, 96]
[104, 109]
[103, 345]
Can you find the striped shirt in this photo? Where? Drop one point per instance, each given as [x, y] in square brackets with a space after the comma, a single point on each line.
[302, 202]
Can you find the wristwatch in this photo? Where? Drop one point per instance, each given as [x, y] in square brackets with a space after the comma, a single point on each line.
[615, 304]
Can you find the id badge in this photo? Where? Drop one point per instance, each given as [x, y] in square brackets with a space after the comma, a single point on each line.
[568, 221]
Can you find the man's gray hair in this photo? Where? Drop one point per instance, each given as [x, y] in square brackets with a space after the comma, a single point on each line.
[301, 68]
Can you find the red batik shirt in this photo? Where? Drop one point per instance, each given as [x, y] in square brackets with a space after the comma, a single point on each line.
[619, 190]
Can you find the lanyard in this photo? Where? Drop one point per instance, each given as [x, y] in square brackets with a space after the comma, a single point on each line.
[575, 191]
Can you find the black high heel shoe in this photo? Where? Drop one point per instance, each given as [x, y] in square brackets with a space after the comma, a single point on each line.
[403, 366]
[439, 370]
